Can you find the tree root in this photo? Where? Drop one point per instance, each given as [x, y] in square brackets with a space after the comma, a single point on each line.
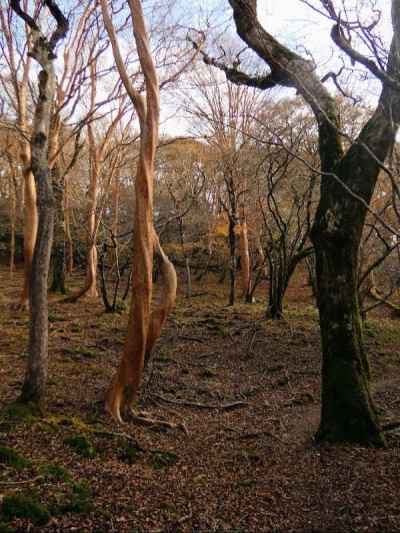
[144, 420]
[117, 435]
[187, 403]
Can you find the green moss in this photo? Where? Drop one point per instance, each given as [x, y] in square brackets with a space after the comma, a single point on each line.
[19, 411]
[11, 458]
[80, 352]
[161, 459]
[129, 453]
[54, 472]
[57, 421]
[121, 307]
[20, 506]
[81, 445]
[56, 318]
[384, 331]
[163, 360]
[80, 499]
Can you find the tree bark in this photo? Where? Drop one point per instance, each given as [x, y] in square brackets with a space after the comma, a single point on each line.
[67, 223]
[245, 261]
[35, 382]
[58, 254]
[232, 259]
[143, 328]
[348, 413]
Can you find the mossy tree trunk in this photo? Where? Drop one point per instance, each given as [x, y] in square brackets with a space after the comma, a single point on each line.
[348, 412]
[347, 185]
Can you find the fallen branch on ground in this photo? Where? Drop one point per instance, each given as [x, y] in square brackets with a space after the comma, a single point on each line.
[144, 420]
[187, 403]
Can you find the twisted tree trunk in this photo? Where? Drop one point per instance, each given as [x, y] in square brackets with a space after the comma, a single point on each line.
[143, 327]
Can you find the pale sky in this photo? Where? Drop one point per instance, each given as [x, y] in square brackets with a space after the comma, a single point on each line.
[302, 29]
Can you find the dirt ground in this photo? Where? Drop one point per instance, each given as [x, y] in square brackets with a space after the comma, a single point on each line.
[241, 394]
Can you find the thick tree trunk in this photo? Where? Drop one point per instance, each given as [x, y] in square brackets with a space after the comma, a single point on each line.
[347, 412]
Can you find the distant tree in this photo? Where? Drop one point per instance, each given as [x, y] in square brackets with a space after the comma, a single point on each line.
[14, 76]
[223, 117]
[285, 193]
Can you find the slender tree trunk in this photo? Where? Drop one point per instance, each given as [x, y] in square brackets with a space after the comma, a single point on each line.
[13, 218]
[31, 215]
[35, 382]
[34, 387]
[91, 266]
[67, 223]
[58, 255]
[31, 219]
[186, 259]
[232, 260]
[188, 278]
[245, 261]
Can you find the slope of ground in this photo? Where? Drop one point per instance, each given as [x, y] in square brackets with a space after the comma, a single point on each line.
[242, 396]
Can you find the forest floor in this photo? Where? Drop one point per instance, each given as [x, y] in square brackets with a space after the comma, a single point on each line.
[242, 394]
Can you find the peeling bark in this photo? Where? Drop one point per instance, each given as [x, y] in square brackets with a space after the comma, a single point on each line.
[143, 327]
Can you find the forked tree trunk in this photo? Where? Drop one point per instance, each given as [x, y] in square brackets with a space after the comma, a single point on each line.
[348, 413]
[35, 382]
[143, 328]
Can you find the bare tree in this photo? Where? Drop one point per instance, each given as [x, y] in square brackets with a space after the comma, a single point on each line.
[143, 327]
[348, 181]
[223, 115]
[14, 80]
[43, 51]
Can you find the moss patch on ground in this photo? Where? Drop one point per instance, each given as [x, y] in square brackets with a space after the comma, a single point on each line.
[21, 506]
[9, 457]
